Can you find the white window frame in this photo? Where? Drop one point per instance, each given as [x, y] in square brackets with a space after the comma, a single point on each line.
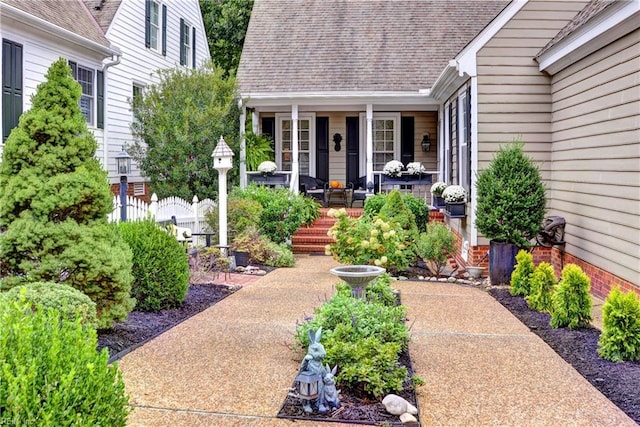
[155, 26]
[395, 117]
[447, 144]
[462, 172]
[87, 86]
[311, 117]
[188, 45]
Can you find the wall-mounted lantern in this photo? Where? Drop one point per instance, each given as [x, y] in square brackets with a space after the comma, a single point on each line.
[426, 142]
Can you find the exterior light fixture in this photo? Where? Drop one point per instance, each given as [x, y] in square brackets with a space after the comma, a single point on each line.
[426, 142]
[123, 168]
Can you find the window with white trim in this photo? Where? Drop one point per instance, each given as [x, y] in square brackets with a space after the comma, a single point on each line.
[306, 144]
[85, 77]
[186, 44]
[386, 139]
[464, 138]
[154, 25]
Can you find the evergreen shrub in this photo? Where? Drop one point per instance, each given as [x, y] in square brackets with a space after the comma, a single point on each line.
[262, 250]
[72, 303]
[54, 203]
[51, 374]
[435, 246]
[543, 283]
[160, 266]
[521, 276]
[620, 338]
[571, 300]
[418, 207]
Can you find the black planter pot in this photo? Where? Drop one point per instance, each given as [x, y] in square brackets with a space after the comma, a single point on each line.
[242, 258]
[502, 259]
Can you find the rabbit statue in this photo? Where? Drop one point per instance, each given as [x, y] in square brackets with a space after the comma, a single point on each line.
[330, 393]
[312, 362]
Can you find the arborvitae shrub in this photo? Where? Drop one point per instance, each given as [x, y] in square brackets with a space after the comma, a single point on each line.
[395, 210]
[571, 300]
[54, 203]
[56, 295]
[620, 338]
[160, 266]
[521, 276]
[51, 373]
[543, 282]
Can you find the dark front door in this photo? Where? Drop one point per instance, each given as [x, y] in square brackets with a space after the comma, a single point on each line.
[322, 148]
[353, 149]
[11, 86]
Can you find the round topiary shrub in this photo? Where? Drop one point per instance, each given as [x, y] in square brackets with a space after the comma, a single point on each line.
[72, 303]
[51, 374]
[160, 266]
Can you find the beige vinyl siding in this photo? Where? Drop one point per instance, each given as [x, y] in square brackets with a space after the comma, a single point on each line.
[425, 122]
[338, 159]
[596, 156]
[513, 95]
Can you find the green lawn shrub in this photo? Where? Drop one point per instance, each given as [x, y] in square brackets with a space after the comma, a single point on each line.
[620, 338]
[58, 296]
[521, 276]
[370, 241]
[364, 339]
[543, 283]
[51, 374]
[395, 210]
[262, 250]
[160, 266]
[417, 206]
[435, 246]
[283, 212]
[571, 300]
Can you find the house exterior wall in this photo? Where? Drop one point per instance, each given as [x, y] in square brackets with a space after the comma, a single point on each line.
[40, 51]
[595, 158]
[138, 66]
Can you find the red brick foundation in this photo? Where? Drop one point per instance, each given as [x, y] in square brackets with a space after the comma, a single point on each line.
[601, 280]
[115, 189]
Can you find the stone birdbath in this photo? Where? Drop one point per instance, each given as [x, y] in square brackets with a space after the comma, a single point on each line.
[357, 277]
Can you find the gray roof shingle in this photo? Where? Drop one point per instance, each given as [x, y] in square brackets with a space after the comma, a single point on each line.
[71, 15]
[103, 11]
[356, 45]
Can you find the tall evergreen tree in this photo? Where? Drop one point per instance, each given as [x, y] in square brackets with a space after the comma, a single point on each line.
[54, 202]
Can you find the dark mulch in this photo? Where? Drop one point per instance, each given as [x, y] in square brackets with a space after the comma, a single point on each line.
[354, 409]
[140, 326]
[619, 382]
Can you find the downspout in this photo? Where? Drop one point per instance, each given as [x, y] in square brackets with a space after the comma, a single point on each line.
[243, 145]
[105, 131]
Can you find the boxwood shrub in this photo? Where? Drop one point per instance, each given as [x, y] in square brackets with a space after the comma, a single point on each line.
[160, 266]
[620, 338]
[71, 302]
[51, 374]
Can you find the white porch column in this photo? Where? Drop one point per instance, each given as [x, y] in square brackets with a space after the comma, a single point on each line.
[295, 167]
[254, 121]
[369, 166]
[243, 146]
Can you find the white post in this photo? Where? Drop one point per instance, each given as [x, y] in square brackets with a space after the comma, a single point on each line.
[243, 146]
[222, 156]
[295, 167]
[369, 166]
[153, 209]
[195, 207]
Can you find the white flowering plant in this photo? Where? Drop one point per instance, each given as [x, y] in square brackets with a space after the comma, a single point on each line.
[415, 168]
[393, 168]
[267, 167]
[437, 188]
[454, 194]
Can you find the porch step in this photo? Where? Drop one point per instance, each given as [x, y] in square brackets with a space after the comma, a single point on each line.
[313, 238]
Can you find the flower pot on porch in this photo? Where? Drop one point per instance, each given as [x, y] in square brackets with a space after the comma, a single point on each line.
[502, 259]
[455, 210]
[438, 202]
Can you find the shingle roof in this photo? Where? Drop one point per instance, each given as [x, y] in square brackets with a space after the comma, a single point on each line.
[593, 8]
[103, 11]
[71, 15]
[356, 45]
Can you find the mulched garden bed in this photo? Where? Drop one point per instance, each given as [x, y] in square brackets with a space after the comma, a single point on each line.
[355, 409]
[619, 382]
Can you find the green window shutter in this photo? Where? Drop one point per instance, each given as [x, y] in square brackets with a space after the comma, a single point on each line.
[183, 50]
[193, 48]
[100, 99]
[147, 23]
[11, 86]
[164, 30]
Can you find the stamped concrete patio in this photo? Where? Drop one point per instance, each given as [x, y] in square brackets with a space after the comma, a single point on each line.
[231, 364]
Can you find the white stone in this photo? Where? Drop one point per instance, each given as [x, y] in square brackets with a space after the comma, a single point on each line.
[407, 418]
[396, 405]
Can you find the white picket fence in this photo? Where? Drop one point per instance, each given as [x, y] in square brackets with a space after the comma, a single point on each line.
[190, 215]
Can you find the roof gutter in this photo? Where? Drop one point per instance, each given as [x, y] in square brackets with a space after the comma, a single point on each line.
[28, 19]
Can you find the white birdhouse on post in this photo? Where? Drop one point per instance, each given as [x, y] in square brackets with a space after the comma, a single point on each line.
[222, 160]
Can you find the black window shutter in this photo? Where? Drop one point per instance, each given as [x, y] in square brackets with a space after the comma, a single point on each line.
[183, 51]
[449, 160]
[74, 69]
[269, 130]
[193, 47]
[100, 96]
[11, 86]
[322, 148]
[164, 30]
[147, 23]
[352, 144]
[407, 139]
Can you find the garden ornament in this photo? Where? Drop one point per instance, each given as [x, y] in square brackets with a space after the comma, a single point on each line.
[312, 363]
[330, 395]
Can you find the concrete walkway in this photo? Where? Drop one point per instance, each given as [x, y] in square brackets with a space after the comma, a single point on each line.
[231, 365]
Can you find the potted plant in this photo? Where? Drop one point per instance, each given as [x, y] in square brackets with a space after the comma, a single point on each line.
[436, 194]
[455, 201]
[415, 168]
[267, 168]
[510, 207]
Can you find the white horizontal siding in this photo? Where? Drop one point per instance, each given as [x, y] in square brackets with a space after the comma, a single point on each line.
[596, 156]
